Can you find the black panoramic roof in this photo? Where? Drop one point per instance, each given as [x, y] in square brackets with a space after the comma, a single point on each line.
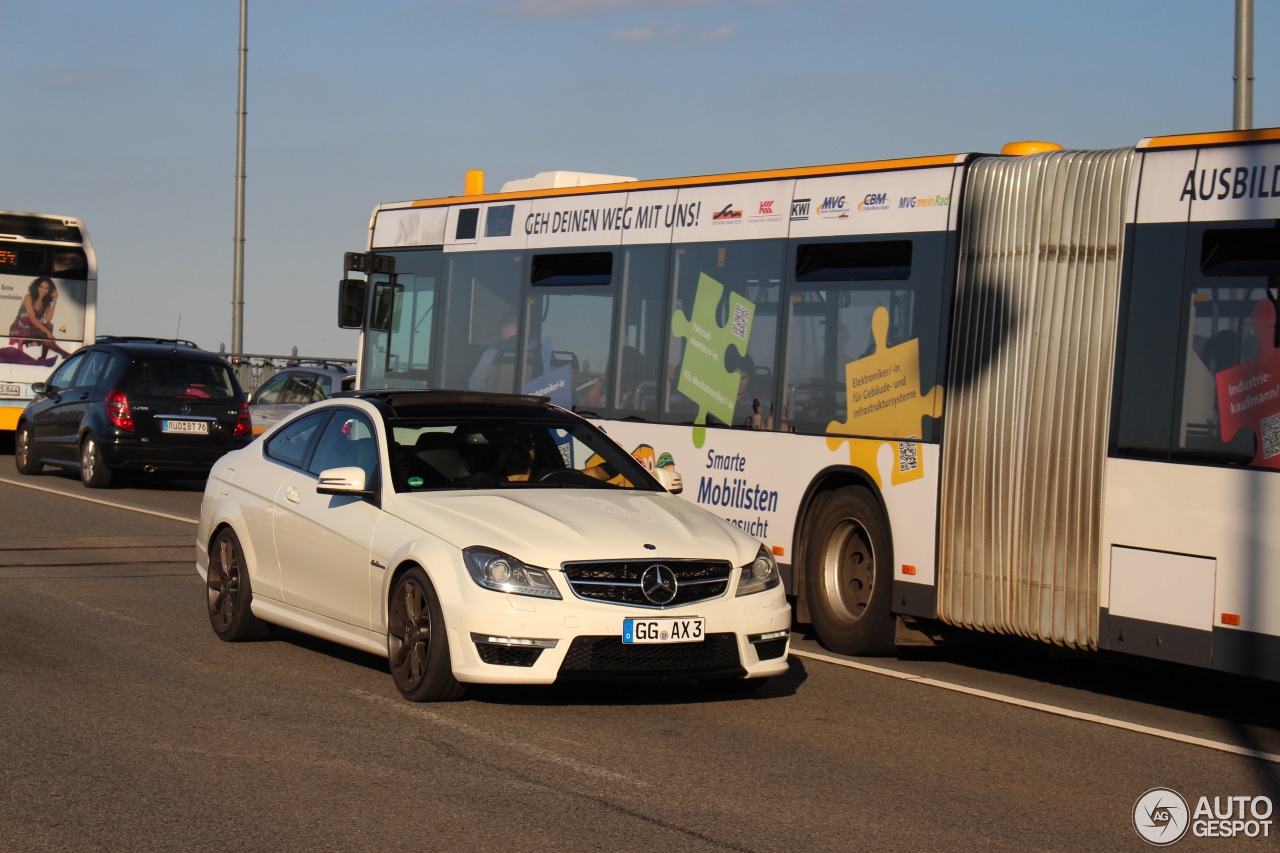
[434, 404]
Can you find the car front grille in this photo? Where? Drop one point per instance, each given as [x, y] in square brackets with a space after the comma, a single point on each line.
[618, 581]
[716, 656]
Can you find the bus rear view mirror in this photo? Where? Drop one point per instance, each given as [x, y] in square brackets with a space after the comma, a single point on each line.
[351, 300]
[384, 306]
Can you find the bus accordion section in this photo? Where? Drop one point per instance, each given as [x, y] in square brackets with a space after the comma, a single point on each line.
[1032, 353]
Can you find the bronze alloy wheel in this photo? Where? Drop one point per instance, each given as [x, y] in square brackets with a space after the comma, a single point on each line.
[228, 592]
[417, 645]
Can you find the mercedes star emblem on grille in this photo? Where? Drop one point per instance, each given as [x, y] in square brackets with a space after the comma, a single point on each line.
[658, 583]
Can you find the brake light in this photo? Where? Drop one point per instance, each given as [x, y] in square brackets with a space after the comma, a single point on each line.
[118, 411]
[244, 424]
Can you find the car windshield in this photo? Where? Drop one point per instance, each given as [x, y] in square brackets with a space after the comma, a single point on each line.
[506, 453]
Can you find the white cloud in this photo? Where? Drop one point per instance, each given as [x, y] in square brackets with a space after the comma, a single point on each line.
[719, 34]
[647, 34]
[567, 8]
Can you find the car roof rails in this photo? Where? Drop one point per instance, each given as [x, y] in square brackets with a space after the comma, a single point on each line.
[144, 339]
[319, 362]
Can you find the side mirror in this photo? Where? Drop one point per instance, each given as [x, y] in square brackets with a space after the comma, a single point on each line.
[669, 479]
[351, 299]
[39, 388]
[343, 481]
[384, 305]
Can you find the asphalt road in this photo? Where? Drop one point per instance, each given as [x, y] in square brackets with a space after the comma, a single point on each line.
[126, 725]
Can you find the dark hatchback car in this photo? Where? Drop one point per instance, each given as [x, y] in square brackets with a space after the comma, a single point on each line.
[144, 405]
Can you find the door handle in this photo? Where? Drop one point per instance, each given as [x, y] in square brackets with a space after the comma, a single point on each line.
[84, 396]
[292, 495]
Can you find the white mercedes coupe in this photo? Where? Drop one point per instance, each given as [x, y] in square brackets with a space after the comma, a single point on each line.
[483, 539]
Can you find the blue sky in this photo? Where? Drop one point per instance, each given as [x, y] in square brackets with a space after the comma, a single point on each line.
[123, 113]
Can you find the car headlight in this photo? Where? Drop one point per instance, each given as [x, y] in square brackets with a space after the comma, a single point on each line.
[502, 573]
[760, 574]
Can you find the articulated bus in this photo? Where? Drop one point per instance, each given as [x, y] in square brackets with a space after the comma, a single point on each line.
[1033, 394]
[48, 297]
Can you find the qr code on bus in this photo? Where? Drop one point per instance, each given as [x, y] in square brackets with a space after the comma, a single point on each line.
[907, 458]
[739, 325]
[1270, 436]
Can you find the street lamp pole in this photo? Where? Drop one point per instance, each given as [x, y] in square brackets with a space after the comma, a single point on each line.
[237, 286]
[1243, 112]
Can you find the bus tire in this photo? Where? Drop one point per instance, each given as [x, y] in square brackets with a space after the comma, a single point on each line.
[848, 574]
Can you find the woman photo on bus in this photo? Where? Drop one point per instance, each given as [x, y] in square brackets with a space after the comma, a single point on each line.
[34, 323]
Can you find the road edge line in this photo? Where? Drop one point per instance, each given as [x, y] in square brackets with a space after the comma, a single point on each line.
[99, 501]
[1083, 716]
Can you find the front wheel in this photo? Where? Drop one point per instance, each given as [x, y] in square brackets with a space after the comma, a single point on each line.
[848, 574]
[25, 456]
[417, 645]
[94, 472]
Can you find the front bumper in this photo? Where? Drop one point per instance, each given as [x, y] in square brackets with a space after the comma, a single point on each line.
[498, 638]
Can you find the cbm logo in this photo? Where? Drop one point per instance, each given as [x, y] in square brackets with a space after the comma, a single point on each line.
[800, 209]
[874, 201]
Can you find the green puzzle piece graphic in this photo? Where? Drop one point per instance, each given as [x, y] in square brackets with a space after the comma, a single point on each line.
[704, 378]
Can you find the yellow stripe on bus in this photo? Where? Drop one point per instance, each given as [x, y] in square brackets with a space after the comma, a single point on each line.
[1226, 137]
[705, 180]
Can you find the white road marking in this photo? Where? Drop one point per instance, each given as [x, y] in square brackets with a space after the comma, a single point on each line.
[1048, 709]
[99, 501]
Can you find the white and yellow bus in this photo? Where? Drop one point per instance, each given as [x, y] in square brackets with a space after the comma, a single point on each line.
[1035, 393]
[48, 298]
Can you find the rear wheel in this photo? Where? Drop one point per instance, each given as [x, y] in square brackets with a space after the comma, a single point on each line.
[94, 472]
[848, 574]
[417, 645]
[229, 594]
[24, 452]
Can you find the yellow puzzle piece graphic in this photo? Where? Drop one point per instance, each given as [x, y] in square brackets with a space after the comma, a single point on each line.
[883, 398]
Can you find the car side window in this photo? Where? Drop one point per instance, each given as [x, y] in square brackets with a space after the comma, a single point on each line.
[94, 365]
[348, 441]
[270, 391]
[291, 442]
[65, 375]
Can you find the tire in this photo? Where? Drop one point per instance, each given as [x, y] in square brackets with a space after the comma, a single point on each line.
[848, 575]
[417, 643]
[229, 593]
[25, 456]
[94, 472]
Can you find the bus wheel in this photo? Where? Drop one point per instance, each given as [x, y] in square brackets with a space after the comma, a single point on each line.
[848, 577]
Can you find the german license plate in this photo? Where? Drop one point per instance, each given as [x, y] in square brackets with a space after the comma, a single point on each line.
[691, 629]
[190, 427]
[10, 389]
